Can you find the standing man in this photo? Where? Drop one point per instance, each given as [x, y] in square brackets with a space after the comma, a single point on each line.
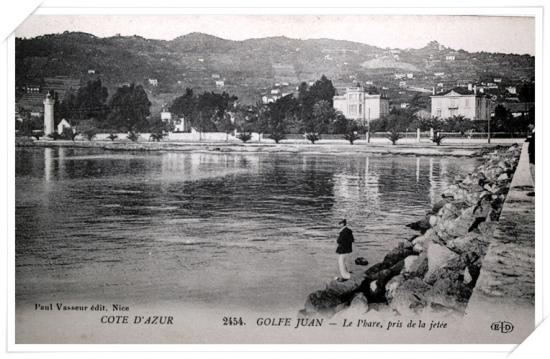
[345, 240]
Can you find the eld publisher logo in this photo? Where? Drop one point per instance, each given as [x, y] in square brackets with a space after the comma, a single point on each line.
[503, 327]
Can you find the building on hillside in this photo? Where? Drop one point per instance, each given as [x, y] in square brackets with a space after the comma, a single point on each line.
[63, 124]
[461, 102]
[179, 125]
[153, 82]
[512, 90]
[220, 83]
[357, 104]
[518, 109]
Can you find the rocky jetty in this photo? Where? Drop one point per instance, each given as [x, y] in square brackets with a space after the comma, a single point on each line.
[435, 271]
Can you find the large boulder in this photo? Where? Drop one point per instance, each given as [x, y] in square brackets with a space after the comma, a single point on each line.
[392, 286]
[472, 242]
[440, 257]
[449, 229]
[323, 302]
[397, 254]
[422, 225]
[417, 266]
[450, 292]
[358, 306]
[452, 210]
[374, 286]
[420, 242]
[409, 263]
[409, 297]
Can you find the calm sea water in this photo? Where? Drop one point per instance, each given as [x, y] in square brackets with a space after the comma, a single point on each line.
[250, 230]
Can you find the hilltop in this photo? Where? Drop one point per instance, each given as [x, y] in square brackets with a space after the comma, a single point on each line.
[251, 67]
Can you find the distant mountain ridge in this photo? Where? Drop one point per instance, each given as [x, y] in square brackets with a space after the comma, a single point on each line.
[250, 67]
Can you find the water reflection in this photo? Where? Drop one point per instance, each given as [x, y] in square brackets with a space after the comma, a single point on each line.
[201, 226]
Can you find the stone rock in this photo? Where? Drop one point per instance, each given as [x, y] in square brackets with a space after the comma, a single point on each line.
[323, 302]
[420, 243]
[450, 292]
[407, 245]
[375, 268]
[419, 267]
[409, 297]
[483, 207]
[409, 263]
[397, 254]
[421, 225]
[360, 261]
[452, 210]
[359, 303]
[392, 285]
[449, 229]
[439, 257]
[470, 243]
[438, 205]
[503, 177]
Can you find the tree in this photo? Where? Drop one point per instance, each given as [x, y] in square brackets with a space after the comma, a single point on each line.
[340, 124]
[129, 108]
[312, 137]
[68, 134]
[244, 136]
[323, 116]
[352, 136]
[184, 106]
[280, 113]
[322, 90]
[458, 123]
[89, 102]
[438, 138]
[226, 125]
[159, 130]
[90, 133]
[527, 92]
[502, 119]
[394, 136]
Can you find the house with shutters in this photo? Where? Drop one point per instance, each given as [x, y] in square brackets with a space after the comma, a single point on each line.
[461, 102]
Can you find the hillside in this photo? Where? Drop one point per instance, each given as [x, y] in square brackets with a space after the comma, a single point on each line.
[251, 67]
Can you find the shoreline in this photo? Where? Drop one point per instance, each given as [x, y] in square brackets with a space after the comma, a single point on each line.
[437, 273]
[421, 149]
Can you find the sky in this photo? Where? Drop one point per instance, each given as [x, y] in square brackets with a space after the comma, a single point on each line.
[471, 33]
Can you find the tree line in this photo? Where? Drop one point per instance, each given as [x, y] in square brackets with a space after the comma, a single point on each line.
[311, 112]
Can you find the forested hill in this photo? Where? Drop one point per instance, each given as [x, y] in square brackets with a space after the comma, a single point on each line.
[251, 66]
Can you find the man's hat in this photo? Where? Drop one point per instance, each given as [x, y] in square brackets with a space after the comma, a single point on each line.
[343, 222]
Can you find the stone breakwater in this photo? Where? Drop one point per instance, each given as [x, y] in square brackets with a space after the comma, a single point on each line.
[436, 271]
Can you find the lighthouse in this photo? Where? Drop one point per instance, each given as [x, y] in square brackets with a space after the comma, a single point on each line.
[48, 115]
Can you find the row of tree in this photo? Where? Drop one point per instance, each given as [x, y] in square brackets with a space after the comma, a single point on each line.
[311, 112]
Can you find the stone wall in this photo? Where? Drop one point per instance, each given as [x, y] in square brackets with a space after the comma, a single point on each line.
[435, 272]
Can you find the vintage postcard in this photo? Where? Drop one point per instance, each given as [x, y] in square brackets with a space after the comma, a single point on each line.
[275, 179]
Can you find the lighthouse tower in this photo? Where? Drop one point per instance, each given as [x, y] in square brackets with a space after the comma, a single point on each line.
[48, 115]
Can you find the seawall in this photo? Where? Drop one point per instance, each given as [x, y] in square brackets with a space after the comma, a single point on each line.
[340, 148]
[475, 250]
[506, 282]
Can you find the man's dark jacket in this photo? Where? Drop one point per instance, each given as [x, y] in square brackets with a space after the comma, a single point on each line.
[345, 239]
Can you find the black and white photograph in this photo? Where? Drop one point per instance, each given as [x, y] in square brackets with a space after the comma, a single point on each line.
[275, 178]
